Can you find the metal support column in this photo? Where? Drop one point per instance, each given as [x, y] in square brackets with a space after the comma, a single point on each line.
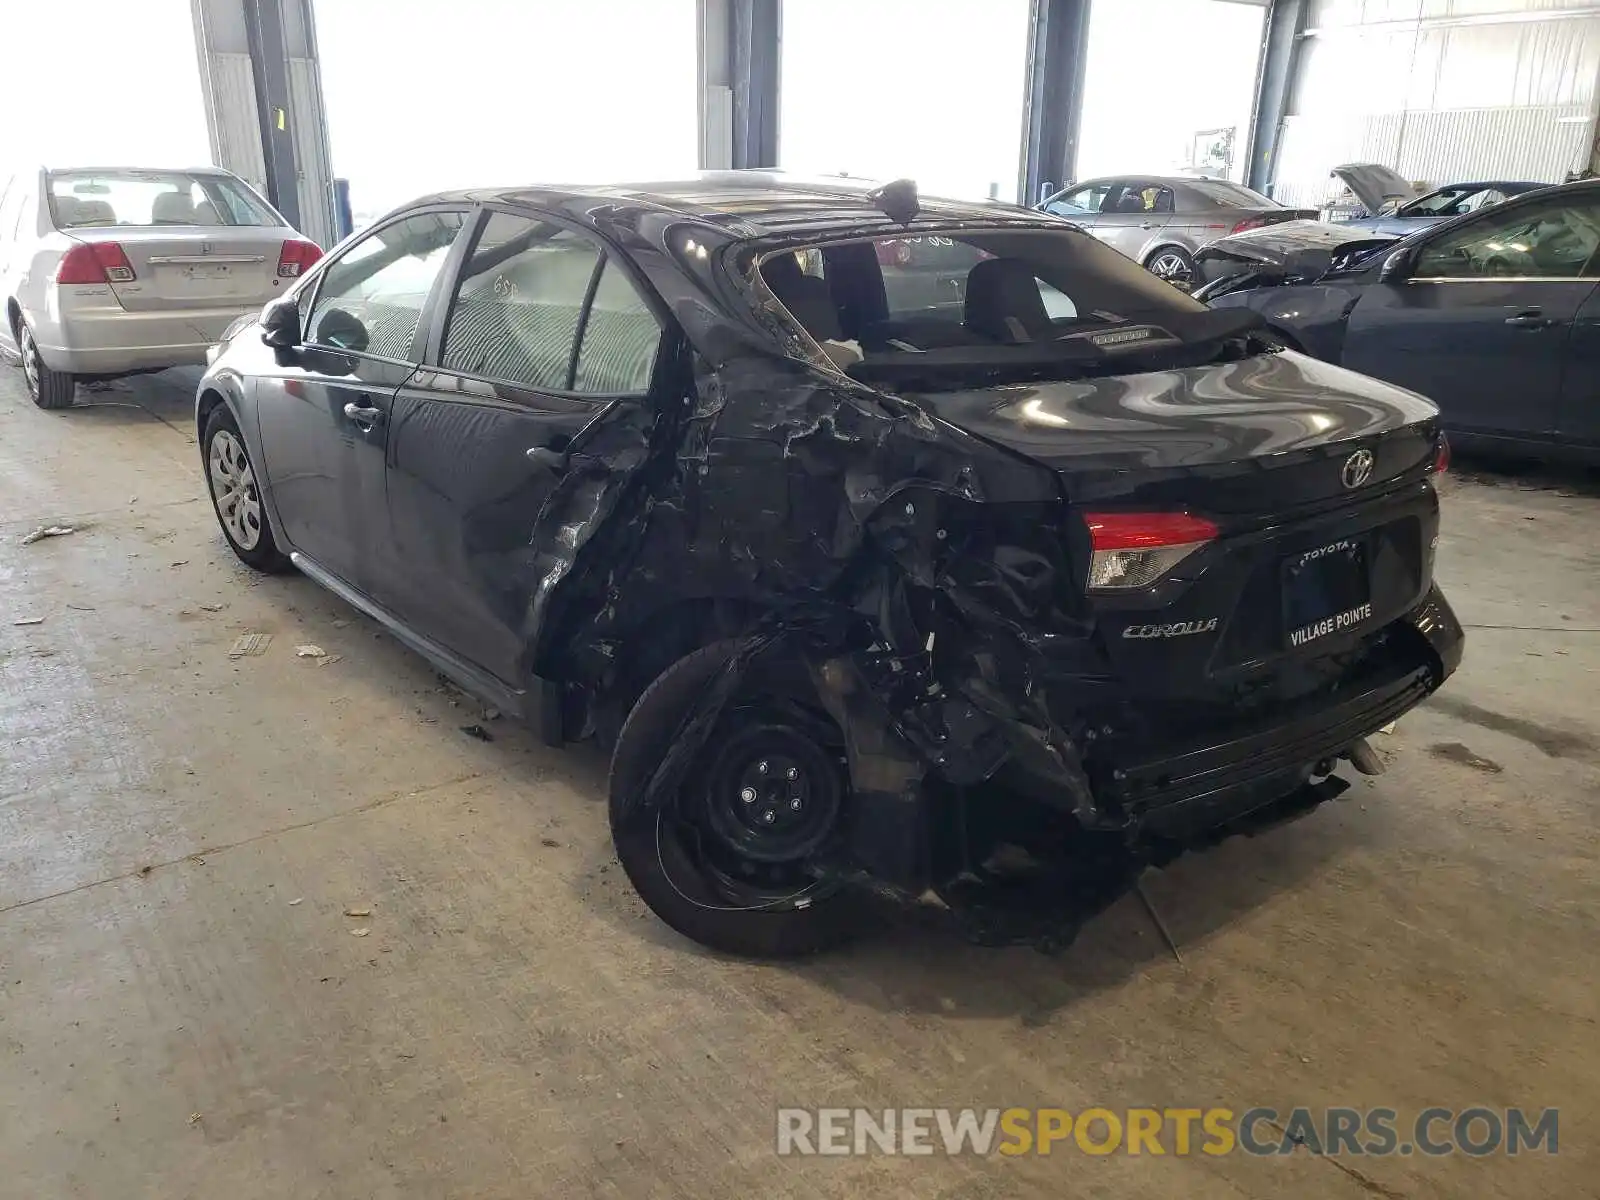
[262, 86]
[755, 51]
[1280, 56]
[1058, 53]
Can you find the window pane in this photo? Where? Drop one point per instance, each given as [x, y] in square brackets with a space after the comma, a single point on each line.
[372, 297]
[1556, 241]
[516, 313]
[148, 198]
[619, 340]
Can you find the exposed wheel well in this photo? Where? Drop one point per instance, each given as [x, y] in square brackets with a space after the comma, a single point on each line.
[661, 639]
[14, 317]
[209, 399]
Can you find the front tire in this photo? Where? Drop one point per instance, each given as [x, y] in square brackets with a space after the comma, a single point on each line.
[236, 494]
[723, 862]
[48, 388]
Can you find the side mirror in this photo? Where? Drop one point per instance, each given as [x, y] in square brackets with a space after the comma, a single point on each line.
[1396, 268]
[280, 324]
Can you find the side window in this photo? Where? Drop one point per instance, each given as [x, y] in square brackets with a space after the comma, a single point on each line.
[1553, 241]
[620, 339]
[520, 302]
[1085, 201]
[372, 296]
[1160, 200]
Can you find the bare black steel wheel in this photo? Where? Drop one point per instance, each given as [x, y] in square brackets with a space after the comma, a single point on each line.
[236, 494]
[49, 389]
[727, 860]
[1173, 264]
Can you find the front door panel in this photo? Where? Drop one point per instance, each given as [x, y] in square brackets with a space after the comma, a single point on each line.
[327, 466]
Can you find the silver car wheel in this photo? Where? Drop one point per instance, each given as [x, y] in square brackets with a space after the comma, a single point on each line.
[233, 483]
[1171, 267]
[30, 358]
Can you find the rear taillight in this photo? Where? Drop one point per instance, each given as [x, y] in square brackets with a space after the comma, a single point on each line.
[296, 258]
[95, 262]
[1441, 456]
[1134, 550]
[1250, 223]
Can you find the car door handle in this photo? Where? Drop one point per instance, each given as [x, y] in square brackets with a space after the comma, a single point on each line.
[363, 416]
[1147, 225]
[1533, 318]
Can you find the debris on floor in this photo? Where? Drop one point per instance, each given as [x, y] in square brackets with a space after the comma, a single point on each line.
[310, 651]
[340, 623]
[28, 621]
[250, 645]
[328, 660]
[360, 931]
[297, 900]
[358, 912]
[48, 531]
[477, 731]
[81, 607]
[212, 607]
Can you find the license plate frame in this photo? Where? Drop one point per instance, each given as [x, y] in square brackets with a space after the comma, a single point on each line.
[1326, 591]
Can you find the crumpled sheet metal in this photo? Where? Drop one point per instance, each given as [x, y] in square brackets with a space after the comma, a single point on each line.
[805, 495]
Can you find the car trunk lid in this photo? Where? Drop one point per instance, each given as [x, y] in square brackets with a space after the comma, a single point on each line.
[1263, 432]
[198, 267]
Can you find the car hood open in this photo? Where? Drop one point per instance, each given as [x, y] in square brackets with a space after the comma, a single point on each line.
[1375, 185]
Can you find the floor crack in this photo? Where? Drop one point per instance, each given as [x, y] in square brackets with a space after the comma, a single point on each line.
[150, 868]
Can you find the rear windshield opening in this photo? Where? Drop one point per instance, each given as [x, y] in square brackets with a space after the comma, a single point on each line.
[892, 296]
[90, 199]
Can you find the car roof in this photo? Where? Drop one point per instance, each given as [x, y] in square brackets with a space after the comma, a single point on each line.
[106, 168]
[751, 203]
[1521, 185]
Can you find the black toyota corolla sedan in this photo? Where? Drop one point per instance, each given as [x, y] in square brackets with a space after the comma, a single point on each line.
[893, 544]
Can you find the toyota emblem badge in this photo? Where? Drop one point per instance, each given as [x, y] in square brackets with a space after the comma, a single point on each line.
[1357, 469]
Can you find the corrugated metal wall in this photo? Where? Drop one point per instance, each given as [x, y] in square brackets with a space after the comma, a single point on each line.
[1442, 90]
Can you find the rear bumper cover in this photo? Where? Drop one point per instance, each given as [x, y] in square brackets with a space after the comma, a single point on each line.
[94, 335]
[1190, 787]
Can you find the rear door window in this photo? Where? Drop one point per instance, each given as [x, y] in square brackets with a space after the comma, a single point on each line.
[541, 306]
[372, 296]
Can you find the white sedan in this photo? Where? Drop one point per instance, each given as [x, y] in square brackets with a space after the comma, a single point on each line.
[108, 271]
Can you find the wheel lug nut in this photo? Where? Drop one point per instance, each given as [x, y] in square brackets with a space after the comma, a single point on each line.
[769, 816]
[795, 804]
[748, 795]
[792, 773]
[761, 767]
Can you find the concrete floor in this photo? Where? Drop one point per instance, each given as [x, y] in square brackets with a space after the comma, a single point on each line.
[184, 1010]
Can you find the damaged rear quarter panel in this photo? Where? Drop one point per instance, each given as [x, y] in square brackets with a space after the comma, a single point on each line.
[929, 568]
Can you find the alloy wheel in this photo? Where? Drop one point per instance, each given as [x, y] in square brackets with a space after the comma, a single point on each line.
[30, 359]
[1171, 267]
[233, 483]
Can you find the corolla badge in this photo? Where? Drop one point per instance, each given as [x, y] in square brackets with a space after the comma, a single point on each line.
[1357, 469]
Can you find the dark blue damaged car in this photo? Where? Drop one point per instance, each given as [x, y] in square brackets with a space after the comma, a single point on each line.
[893, 545]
